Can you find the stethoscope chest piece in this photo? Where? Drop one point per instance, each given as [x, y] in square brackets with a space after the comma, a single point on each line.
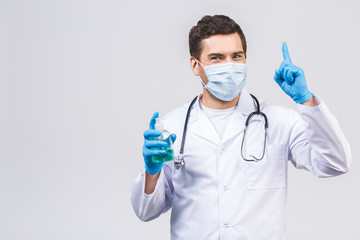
[179, 162]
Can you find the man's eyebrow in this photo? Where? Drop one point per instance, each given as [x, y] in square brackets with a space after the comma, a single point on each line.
[221, 55]
[239, 52]
[215, 55]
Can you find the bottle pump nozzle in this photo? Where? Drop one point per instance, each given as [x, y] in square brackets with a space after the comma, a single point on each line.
[158, 125]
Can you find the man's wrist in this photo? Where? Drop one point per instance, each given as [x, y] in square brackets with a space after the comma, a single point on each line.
[150, 182]
[311, 102]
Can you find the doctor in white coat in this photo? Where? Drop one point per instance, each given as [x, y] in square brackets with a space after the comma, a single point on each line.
[217, 194]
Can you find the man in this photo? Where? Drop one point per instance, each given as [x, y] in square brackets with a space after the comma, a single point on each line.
[223, 191]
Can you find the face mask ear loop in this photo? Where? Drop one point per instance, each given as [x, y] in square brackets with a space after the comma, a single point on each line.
[204, 68]
[200, 63]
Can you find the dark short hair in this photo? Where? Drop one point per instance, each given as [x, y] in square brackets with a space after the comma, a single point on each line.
[209, 26]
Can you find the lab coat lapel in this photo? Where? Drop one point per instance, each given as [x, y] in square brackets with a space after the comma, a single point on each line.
[236, 123]
[202, 125]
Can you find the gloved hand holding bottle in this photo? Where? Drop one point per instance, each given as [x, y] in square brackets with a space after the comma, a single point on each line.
[291, 79]
[155, 150]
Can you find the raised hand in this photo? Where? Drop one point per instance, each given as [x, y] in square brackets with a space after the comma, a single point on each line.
[291, 79]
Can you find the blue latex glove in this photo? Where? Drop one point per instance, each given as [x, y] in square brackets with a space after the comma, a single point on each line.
[291, 79]
[150, 145]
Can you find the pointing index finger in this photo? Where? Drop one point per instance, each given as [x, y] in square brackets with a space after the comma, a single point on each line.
[285, 52]
[152, 121]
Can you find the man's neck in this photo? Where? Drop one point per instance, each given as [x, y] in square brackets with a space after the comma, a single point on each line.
[211, 101]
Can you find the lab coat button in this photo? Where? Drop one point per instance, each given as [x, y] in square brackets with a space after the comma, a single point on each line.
[226, 225]
[225, 187]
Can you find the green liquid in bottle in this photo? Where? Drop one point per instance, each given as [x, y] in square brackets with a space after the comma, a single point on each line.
[169, 152]
[164, 158]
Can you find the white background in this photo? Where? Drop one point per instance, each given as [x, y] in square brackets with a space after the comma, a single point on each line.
[79, 81]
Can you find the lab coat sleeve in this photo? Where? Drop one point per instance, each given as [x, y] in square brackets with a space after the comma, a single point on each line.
[317, 143]
[150, 206]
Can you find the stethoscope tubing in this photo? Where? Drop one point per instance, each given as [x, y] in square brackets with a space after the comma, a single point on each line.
[179, 160]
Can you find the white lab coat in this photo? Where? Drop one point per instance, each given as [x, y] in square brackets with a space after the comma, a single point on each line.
[218, 195]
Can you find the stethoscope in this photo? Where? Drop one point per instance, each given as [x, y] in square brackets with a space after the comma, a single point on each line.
[179, 161]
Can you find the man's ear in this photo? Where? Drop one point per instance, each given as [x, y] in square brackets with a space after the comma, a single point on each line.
[195, 66]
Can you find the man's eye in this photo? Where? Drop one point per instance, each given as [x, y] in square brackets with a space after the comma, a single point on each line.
[215, 58]
[237, 56]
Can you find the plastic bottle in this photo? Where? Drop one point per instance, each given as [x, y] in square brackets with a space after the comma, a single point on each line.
[165, 136]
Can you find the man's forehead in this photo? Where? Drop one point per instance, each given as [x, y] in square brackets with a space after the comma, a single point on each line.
[222, 43]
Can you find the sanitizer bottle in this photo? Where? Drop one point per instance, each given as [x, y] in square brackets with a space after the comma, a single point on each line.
[165, 136]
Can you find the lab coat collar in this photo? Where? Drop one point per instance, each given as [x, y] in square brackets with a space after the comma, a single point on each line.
[203, 127]
[236, 123]
[246, 103]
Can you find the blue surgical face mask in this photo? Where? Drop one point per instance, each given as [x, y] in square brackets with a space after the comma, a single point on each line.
[225, 80]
